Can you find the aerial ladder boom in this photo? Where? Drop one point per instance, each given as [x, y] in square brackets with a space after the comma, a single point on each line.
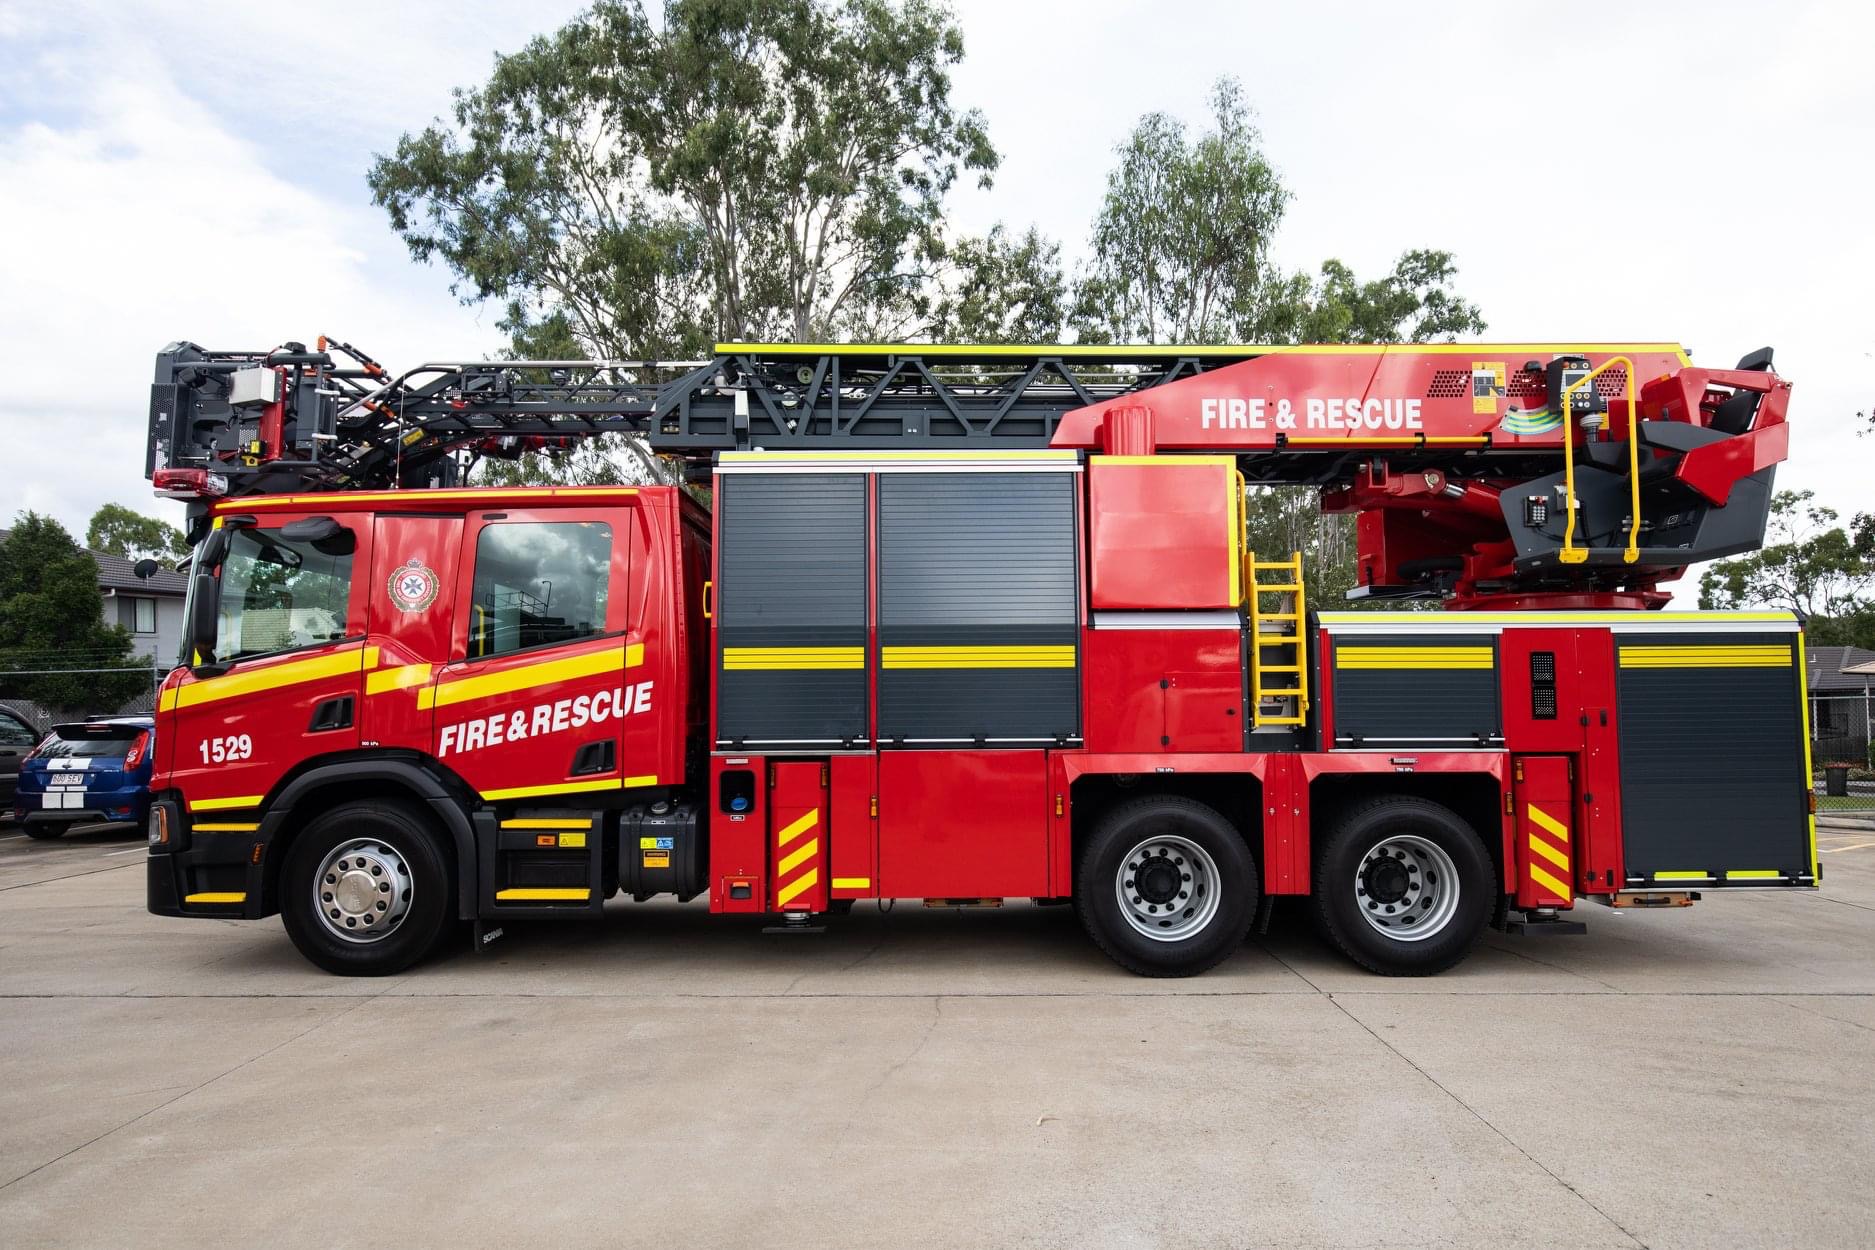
[1506, 475]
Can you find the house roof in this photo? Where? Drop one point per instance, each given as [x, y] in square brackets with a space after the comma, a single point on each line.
[1840, 668]
[115, 573]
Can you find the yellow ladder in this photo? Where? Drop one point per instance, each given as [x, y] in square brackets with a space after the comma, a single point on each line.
[1286, 702]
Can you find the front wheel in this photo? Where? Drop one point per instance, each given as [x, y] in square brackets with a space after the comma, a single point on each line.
[1403, 886]
[1166, 887]
[365, 890]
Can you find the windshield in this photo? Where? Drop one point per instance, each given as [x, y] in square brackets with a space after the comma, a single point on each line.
[278, 594]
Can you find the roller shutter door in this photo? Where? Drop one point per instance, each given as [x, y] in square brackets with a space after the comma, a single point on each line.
[978, 615]
[791, 611]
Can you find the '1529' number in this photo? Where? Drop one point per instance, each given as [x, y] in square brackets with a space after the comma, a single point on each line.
[221, 750]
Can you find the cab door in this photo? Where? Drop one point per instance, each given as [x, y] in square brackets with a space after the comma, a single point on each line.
[414, 563]
[544, 674]
[289, 654]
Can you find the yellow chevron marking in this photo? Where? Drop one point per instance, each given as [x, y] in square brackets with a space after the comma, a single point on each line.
[798, 828]
[1706, 657]
[743, 659]
[529, 676]
[978, 657]
[400, 678]
[1549, 852]
[799, 886]
[1543, 878]
[800, 855]
[1547, 823]
[267, 677]
[222, 805]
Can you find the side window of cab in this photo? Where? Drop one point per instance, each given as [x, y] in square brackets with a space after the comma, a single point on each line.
[538, 584]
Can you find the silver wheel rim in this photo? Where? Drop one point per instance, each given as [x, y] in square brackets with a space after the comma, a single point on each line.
[362, 890]
[1167, 887]
[1406, 888]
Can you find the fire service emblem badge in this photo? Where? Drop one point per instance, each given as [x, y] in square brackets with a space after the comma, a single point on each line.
[413, 586]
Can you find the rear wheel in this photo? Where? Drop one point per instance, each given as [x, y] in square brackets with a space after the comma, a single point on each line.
[45, 833]
[365, 890]
[1166, 887]
[1403, 886]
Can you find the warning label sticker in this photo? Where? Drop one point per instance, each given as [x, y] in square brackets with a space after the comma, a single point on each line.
[1487, 384]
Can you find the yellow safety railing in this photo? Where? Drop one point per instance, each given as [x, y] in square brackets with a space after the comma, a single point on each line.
[1296, 671]
[1572, 554]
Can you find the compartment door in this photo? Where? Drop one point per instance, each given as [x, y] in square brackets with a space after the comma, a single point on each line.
[1714, 790]
[963, 824]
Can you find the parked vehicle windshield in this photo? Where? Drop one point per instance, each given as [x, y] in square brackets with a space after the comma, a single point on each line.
[91, 743]
[278, 593]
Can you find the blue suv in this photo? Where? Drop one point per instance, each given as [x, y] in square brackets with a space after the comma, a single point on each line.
[91, 772]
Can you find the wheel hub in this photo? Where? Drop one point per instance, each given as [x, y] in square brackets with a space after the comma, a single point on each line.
[1167, 887]
[1407, 887]
[362, 890]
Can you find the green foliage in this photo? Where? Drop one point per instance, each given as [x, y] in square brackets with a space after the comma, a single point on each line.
[1181, 252]
[1810, 565]
[51, 617]
[1001, 288]
[118, 531]
[742, 169]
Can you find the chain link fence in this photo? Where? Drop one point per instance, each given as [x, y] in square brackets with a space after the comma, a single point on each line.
[1839, 751]
[46, 715]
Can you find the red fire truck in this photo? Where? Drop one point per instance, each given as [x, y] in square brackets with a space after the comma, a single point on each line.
[968, 624]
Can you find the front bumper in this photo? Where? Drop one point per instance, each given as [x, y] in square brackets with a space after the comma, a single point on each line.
[206, 873]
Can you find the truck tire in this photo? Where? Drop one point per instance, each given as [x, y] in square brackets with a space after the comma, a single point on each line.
[1403, 886]
[366, 889]
[1166, 886]
[43, 832]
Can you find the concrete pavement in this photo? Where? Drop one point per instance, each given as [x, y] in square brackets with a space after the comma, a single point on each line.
[931, 1078]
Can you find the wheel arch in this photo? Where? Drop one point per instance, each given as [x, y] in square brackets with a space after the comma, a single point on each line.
[1475, 798]
[1237, 797]
[324, 784]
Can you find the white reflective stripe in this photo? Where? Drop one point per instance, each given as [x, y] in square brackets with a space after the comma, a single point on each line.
[1168, 620]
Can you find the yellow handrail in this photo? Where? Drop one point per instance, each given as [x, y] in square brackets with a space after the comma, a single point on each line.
[1572, 554]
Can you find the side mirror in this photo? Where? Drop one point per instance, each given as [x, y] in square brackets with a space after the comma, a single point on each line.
[145, 568]
[205, 615]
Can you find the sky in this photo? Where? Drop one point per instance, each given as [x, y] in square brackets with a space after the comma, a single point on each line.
[1691, 172]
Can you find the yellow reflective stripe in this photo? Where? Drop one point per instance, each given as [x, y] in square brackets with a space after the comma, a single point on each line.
[806, 851]
[224, 827]
[490, 493]
[1544, 821]
[400, 678]
[1681, 876]
[852, 883]
[1543, 878]
[1549, 852]
[528, 676]
[546, 822]
[1706, 657]
[542, 895]
[1414, 657]
[269, 677]
[745, 658]
[1803, 704]
[799, 886]
[222, 805]
[1753, 874]
[798, 828]
[563, 787]
[217, 896]
[633, 783]
[1120, 350]
[167, 701]
[978, 657]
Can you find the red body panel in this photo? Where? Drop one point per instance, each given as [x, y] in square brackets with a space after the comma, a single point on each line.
[738, 839]
[1161, 533]
[963, 824]
[1176, 690]
[854, 854]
